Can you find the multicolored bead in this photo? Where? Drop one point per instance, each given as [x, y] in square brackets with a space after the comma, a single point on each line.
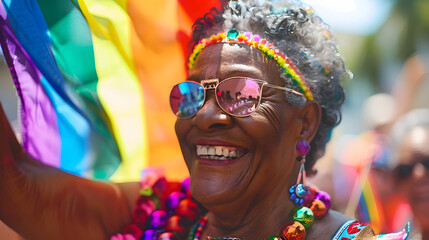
[318, 208]
[187, 209]
[303, 147]
[274, 238]
[168, 236]
[304, 215]
[173, 200]
[298, 194]
[150, 234]
[232, 34]
[325, 198]
[177, 224]
[293, 231]
[158, 219]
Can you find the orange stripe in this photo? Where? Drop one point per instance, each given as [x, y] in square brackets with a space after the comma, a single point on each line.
[160, 65]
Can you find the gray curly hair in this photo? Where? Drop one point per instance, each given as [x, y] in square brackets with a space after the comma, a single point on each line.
[299, 33]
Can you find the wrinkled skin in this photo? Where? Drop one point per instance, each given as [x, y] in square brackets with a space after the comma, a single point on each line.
[248, 196]
[414, 149]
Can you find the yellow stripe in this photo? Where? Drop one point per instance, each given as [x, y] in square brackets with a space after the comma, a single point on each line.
[373, 209]
[118, 87]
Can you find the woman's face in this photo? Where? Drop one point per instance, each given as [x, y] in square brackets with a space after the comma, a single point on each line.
[415, 186]
[264, 142]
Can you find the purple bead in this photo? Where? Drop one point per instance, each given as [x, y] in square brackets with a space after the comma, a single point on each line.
[248, 34]
[256, 37]
[185, 185]
[325, 198]
[303, 148]
[158, 219]
[150, 234]
[173, 200]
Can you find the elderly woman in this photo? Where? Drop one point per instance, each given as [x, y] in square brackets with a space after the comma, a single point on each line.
[410, 164]
[261, 100]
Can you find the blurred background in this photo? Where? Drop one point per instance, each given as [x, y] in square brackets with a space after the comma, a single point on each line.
[386, 47]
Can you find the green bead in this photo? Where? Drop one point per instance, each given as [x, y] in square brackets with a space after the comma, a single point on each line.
[273, 238]
[303, 215]
[232, 34]
[146, 192]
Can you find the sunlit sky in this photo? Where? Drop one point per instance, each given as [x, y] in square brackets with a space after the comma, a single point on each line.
[361, 17]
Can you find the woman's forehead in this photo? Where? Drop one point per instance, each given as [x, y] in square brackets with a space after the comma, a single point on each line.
[227, 60]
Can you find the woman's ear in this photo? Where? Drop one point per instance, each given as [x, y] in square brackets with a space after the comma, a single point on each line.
[311, 115]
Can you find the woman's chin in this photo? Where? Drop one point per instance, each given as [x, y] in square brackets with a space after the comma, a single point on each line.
[211, 190]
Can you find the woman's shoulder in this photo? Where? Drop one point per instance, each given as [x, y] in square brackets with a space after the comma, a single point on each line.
[337, 226]
[328, 226]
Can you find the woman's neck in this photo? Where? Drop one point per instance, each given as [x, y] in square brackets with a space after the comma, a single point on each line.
[255, 219]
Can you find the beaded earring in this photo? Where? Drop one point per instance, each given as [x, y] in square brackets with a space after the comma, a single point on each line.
[311, 203]
[299, 191]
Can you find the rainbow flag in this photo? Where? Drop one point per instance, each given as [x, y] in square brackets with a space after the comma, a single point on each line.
[93, 79]
[370, 208]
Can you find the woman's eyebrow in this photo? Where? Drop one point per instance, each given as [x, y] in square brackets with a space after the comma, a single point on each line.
[241, 70]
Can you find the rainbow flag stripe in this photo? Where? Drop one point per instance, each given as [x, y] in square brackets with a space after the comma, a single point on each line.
[93, 79]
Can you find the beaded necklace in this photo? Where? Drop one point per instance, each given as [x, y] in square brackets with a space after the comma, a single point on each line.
[312, 205]
[166, 211]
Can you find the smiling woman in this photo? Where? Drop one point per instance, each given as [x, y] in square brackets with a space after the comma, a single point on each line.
[261, 99]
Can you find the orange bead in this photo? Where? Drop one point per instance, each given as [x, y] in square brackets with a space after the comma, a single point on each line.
[187, 209]
[293, 230]
[176, 224]
[319, 208]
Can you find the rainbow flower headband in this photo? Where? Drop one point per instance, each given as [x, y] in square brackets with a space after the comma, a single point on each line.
[233, 36]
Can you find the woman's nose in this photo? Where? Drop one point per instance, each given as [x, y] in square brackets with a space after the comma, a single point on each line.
[211, 117]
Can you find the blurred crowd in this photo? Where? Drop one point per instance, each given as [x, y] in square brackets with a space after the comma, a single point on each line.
[381, 176]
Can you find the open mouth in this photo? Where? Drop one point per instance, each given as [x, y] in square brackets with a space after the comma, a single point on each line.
[219, 152]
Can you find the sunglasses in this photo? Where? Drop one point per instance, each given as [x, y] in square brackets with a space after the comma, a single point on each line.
[405, 170]
[237, 96]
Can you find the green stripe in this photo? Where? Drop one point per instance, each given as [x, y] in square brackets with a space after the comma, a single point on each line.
[74, 54]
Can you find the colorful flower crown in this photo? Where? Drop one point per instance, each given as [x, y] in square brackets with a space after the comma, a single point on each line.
[254, 40]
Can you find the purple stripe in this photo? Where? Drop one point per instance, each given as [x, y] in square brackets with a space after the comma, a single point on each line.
[40, 132]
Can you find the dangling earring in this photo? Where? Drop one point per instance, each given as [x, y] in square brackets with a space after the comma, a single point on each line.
[299, 191]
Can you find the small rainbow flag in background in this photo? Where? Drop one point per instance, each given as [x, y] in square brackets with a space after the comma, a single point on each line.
[93, 79]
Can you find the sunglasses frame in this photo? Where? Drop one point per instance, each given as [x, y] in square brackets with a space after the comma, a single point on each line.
[425, 164]
[212, 84]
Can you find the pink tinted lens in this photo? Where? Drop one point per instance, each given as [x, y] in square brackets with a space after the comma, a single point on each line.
[238, 96]
[186, 99]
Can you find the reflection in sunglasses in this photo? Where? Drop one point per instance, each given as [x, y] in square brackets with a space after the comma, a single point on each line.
[237, 96]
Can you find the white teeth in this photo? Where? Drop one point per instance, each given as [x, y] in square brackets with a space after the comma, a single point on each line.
[232, 153]
[211, 151]
[203, 151]
[226, 152]
[218, 152]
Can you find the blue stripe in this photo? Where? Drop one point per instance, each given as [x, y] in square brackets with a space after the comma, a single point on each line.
[32, 32]
[75, 134]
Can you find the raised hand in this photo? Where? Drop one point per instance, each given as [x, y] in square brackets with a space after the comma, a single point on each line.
[42, 202]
